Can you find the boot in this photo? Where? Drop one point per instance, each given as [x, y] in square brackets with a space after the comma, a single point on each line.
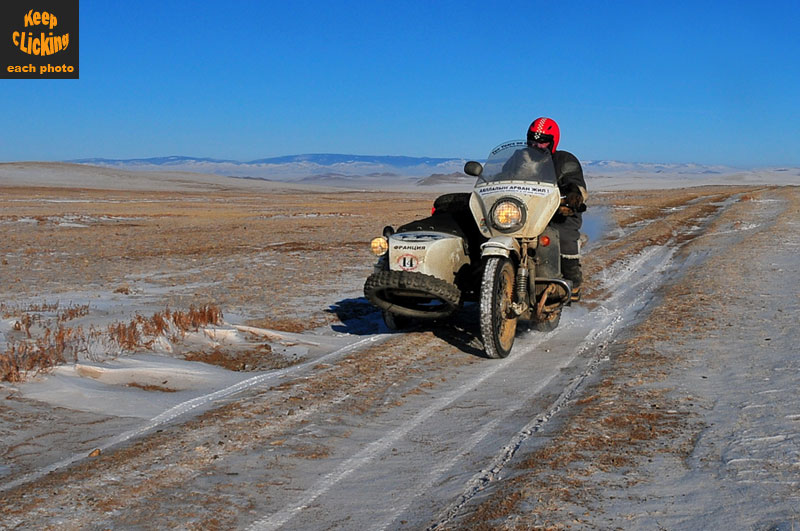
[576, 294]
[571, 270]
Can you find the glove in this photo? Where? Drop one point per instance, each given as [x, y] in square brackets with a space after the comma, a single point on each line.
[574, 200]
[573, 197]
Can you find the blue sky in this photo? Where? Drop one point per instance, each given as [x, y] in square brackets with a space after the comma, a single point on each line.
[705, 82]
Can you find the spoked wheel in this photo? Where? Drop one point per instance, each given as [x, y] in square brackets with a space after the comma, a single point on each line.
[498, 321]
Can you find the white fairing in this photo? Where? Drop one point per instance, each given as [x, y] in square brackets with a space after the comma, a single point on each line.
[437, 254]
[523, 174]
[541, 201]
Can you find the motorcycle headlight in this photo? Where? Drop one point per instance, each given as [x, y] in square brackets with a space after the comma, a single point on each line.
[508, 215]
[379, 246]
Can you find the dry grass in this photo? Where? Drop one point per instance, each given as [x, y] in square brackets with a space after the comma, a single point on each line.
[630, 416]
[260, 357]
[30, 356]
[258, 252]
[657, 218]
[142, 332]
[365, 382]
[152, 387]
[36, 356]
[265, 254]
[51, 347]
[283, 325]
[8, 311]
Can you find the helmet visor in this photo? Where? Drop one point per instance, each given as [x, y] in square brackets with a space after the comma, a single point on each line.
[540, 138]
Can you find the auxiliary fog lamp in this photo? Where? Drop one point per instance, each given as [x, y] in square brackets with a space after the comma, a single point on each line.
[379, 246]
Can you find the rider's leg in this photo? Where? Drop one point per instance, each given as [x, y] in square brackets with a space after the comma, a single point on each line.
[571, 270]
[569, 233]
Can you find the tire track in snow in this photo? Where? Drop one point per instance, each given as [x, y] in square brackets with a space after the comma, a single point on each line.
[597, 338]
[186, 407]
[486, 476]
[375, 449]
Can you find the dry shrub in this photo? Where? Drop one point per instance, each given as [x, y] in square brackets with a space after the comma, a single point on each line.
[197, 317]
[73, 312]
[124, 289]
[32, 311]
[40, 355]
[43, 307]
[128, 335]
[11, 365]
[142, 332]
[24, 322]
[51, 349]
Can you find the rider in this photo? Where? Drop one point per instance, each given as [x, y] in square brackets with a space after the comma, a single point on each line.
[543, 133]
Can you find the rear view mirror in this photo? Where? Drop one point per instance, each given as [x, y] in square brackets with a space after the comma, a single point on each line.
[473, 168]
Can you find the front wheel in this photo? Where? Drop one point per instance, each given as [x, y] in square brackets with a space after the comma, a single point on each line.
[497, 318]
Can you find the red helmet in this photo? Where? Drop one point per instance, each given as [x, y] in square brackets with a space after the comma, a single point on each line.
[544, 130]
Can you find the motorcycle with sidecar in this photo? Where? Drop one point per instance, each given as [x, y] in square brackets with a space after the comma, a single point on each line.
[493, 246]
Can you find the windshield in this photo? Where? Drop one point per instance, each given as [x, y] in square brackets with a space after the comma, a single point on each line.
[515, 161]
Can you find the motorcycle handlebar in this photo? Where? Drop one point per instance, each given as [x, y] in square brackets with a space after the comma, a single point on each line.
[581, 207]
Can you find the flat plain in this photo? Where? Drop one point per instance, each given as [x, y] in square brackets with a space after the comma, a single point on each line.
[663, 399]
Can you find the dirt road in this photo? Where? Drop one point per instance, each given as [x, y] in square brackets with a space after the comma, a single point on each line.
[668, 398]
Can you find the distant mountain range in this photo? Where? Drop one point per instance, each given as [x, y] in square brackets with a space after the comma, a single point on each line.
[307, 167]
[357, 170]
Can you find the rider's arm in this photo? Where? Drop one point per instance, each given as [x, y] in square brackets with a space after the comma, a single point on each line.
[570, 173]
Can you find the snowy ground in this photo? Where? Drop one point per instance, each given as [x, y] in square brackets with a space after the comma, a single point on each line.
[667, 399]
[695, 423]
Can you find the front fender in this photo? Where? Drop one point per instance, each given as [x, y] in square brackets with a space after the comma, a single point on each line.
[500, 246]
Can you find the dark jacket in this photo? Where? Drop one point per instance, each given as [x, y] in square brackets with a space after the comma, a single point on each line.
[570, 177]
[569, 173]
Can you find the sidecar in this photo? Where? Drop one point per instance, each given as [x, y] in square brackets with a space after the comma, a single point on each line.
[427, 268]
